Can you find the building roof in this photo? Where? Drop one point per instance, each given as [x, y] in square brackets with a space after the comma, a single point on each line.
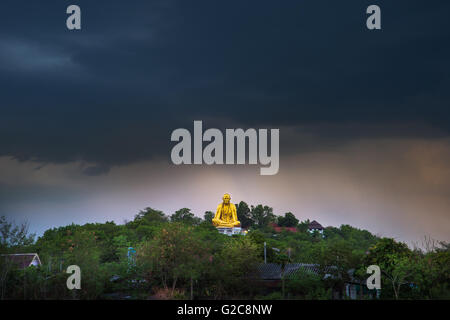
[315, 225]
[277, 228]
[23, 260]
[272, 271]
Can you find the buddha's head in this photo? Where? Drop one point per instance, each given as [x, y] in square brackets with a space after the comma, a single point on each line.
[226, 198]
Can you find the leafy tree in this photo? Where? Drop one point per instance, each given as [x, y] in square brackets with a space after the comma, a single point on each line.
[174, 254]
[282, 259]
[208, 216]
[431, 276]
[235, 263]
[289, 220]
[244, 215]
[262, 215]
[307, 285]
[257, 237]
[185, 215]
[336, 259]
[303, 226]
[84, 251]
[11, 237]
[395, 261]
[145, 223]
[148, 216]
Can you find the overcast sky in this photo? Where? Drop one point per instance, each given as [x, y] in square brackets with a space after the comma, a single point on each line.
[364, 116]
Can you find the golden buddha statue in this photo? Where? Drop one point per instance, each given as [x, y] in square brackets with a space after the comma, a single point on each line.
[226, 216]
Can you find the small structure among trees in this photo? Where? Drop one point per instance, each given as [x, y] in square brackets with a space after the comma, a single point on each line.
[22, 260]
[278, 228]
[315, 226]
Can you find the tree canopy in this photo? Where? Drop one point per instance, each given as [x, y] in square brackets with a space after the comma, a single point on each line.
[184, 256]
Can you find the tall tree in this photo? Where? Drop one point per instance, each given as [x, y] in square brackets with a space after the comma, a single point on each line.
[175, 253]
[12, 237]
[336, 259]
[243, 214]
[262, 215]
[150, 215]
[208, 216]
[185, 215]
[396, 262]
[233, 266]
[432, 275]
[289, 220]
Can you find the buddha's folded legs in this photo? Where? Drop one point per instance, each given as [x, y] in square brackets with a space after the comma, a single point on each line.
[221, 223]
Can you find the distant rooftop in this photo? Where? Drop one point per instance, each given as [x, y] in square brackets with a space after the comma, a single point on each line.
[277, 228]
[272, 271]
[23, 260]
[315, 225]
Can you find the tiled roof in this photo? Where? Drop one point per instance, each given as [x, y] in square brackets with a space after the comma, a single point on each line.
[315, 225]
[272, 271]
[277, 228]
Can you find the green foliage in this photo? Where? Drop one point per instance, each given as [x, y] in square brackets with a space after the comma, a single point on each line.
[394, 259]
[232, 266]
[145, 223]
[186, 257]
[175, 253]
[262, 215]
[208, 216]
[243, 214]
[257, 237]
[303, 226]
[335, 260]
[432, 276]
[411, 274]
[13, 239]
[307, 285]
[289, 220]
[185, 215]
[271, 296]
[12, 235]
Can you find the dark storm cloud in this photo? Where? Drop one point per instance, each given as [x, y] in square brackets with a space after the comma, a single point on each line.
[112, 93]
[96, 170]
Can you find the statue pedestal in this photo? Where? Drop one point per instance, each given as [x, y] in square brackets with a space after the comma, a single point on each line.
[230, 231]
